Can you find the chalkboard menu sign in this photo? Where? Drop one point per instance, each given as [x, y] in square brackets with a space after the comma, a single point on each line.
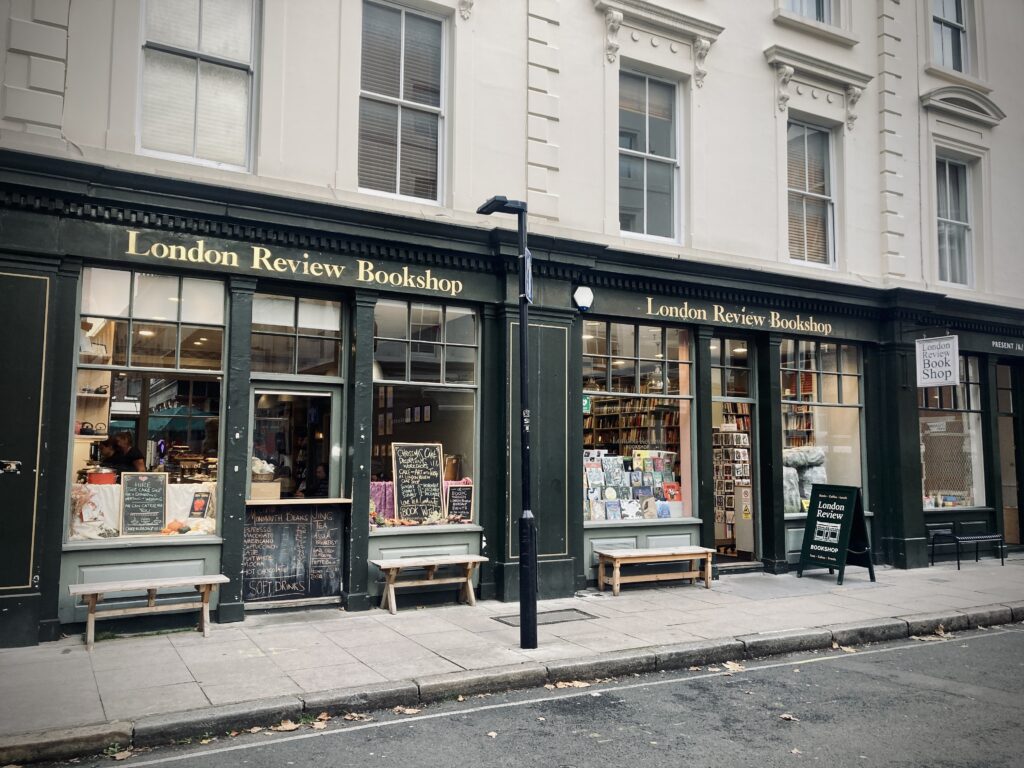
[459, 502]
[417, 481]
[291, 553]
[836, 532]
[143, 502]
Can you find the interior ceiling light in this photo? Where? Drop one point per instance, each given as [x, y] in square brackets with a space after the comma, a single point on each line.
[147, 333]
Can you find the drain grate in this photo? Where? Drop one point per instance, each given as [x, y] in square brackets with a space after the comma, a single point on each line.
[548, 617]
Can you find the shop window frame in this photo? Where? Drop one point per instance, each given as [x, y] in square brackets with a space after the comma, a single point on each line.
[342, 340]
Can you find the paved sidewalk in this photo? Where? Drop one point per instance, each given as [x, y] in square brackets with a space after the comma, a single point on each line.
[148, 689]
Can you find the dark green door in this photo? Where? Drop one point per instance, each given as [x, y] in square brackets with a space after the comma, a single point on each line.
[22, 350]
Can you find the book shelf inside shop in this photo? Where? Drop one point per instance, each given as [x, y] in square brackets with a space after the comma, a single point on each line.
[731, 446]
[622, 424]
[797, 418]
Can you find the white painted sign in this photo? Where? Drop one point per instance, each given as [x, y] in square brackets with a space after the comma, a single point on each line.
[938, 362]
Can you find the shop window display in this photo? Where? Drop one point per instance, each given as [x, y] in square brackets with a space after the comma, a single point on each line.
[952, 459]
[291, 445]
[165, 420]
[425, 373]
[636, 435]
[821, 418]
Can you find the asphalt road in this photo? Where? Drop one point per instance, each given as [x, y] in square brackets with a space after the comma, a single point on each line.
[953, 702]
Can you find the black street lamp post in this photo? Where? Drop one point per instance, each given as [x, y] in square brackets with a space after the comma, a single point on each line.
[527, 522]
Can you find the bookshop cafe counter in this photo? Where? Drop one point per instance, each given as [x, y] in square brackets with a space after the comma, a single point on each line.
[292, 549]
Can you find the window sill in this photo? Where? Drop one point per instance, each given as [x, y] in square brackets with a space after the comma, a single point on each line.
[138, 542]
[641, 523]
[829, 32]
[959, 78]
[402, 530]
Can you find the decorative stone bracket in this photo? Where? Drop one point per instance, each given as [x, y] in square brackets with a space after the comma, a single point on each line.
[466, 8]
[701, 46]
[784, 73]
[612, 22]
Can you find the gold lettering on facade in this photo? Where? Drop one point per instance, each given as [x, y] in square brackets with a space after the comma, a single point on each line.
[739, 318]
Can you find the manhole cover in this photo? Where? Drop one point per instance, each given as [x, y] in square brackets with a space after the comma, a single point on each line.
[548, 617]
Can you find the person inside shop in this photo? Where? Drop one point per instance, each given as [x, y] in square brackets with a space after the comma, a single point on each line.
[127, 458]
[108, 453]
[317, 486]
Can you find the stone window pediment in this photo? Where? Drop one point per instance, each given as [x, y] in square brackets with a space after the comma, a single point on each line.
[963, 103]
[835, 80]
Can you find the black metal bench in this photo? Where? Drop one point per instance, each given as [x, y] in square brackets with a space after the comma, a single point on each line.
[947, 536]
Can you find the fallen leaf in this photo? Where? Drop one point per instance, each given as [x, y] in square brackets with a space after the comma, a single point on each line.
[572, 684]
[733, 666]
[323, 717]
[541, 719]
[123, 755]
[789, 717]
[835, 645]
[749, 693]
[940, 631]
[549, 686]
[356, 716]
[926, 638]
[492, 734]
[400, 710]
[847, 649]
[255, 729]
[233, 733]
[714, 669]
[207, 741]
[318, 725]
[285, 725]
[694, 669]
[795, 751]
[461, 698]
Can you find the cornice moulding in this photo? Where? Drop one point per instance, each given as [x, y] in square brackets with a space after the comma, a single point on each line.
[816, 68]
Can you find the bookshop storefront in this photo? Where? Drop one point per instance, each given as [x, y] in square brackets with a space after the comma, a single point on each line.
[700, 428]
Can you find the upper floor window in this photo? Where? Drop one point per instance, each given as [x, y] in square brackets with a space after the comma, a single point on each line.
[400, 107]
[197, 80]
[953, 222]
[647, 155]
[810, 194]
[949, 33]
[815, 10]
[296, 336]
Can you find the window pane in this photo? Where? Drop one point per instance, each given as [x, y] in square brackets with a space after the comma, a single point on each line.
[595, 337]
[632, 112]
[737, 382]
[829, 357]
[957, 192]
[829, 389]
[378, 142]
[460, 365]
[273, 313]
[677, 344]
[787, 353]
[154, 345]
[652, 376]
[817, 230]
[678, 379]
[426, 322]
[319, 357]
[293, 434]
[425, 362]
[736, 353]
[716, 382]
[102, 341]
[623, 339]
[168, 102]
[175, 22]
[796, 158]
[419, 154]
[273, 354]
[1005, 399]
[851, 389]
[715, 348]
[807, 351]
[660, 211]
[459, 325]
[952, 461]
[222, 133]
[595, 373]
[623, 375]
[817, 162]
[389, 357]
[851, 359]
[422, 80]
[105, 292]
[391, 319]
[381, 49]
[649, 338]
[320, 318]
[202, 301]
[788, 383]
[202, 348]
[796, 227]
[662, 107]
[1003, 376]
[156, 297]
[227, 28]
[631, 194]
[942, 188]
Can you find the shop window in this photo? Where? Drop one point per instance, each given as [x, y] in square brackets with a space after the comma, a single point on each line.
[821, 417]
[400, 106]
[636, 435]
[197, 80]
[954, 226]
[952, 459]
[811, 203]
[425, 374]
[291, 445]
[648, 155]
[296, 336]
[147, 399]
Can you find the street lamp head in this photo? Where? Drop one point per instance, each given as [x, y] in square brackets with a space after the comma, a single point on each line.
[501, 204]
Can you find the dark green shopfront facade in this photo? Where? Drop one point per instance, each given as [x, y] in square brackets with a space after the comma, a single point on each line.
[747, 375]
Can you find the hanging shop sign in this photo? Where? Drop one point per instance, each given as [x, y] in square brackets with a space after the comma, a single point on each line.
[938, 361]
[836, 531]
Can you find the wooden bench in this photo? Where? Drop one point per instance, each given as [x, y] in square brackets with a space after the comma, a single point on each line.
[946, 536]
[616, 558]
[430, 563]
[92, 594]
